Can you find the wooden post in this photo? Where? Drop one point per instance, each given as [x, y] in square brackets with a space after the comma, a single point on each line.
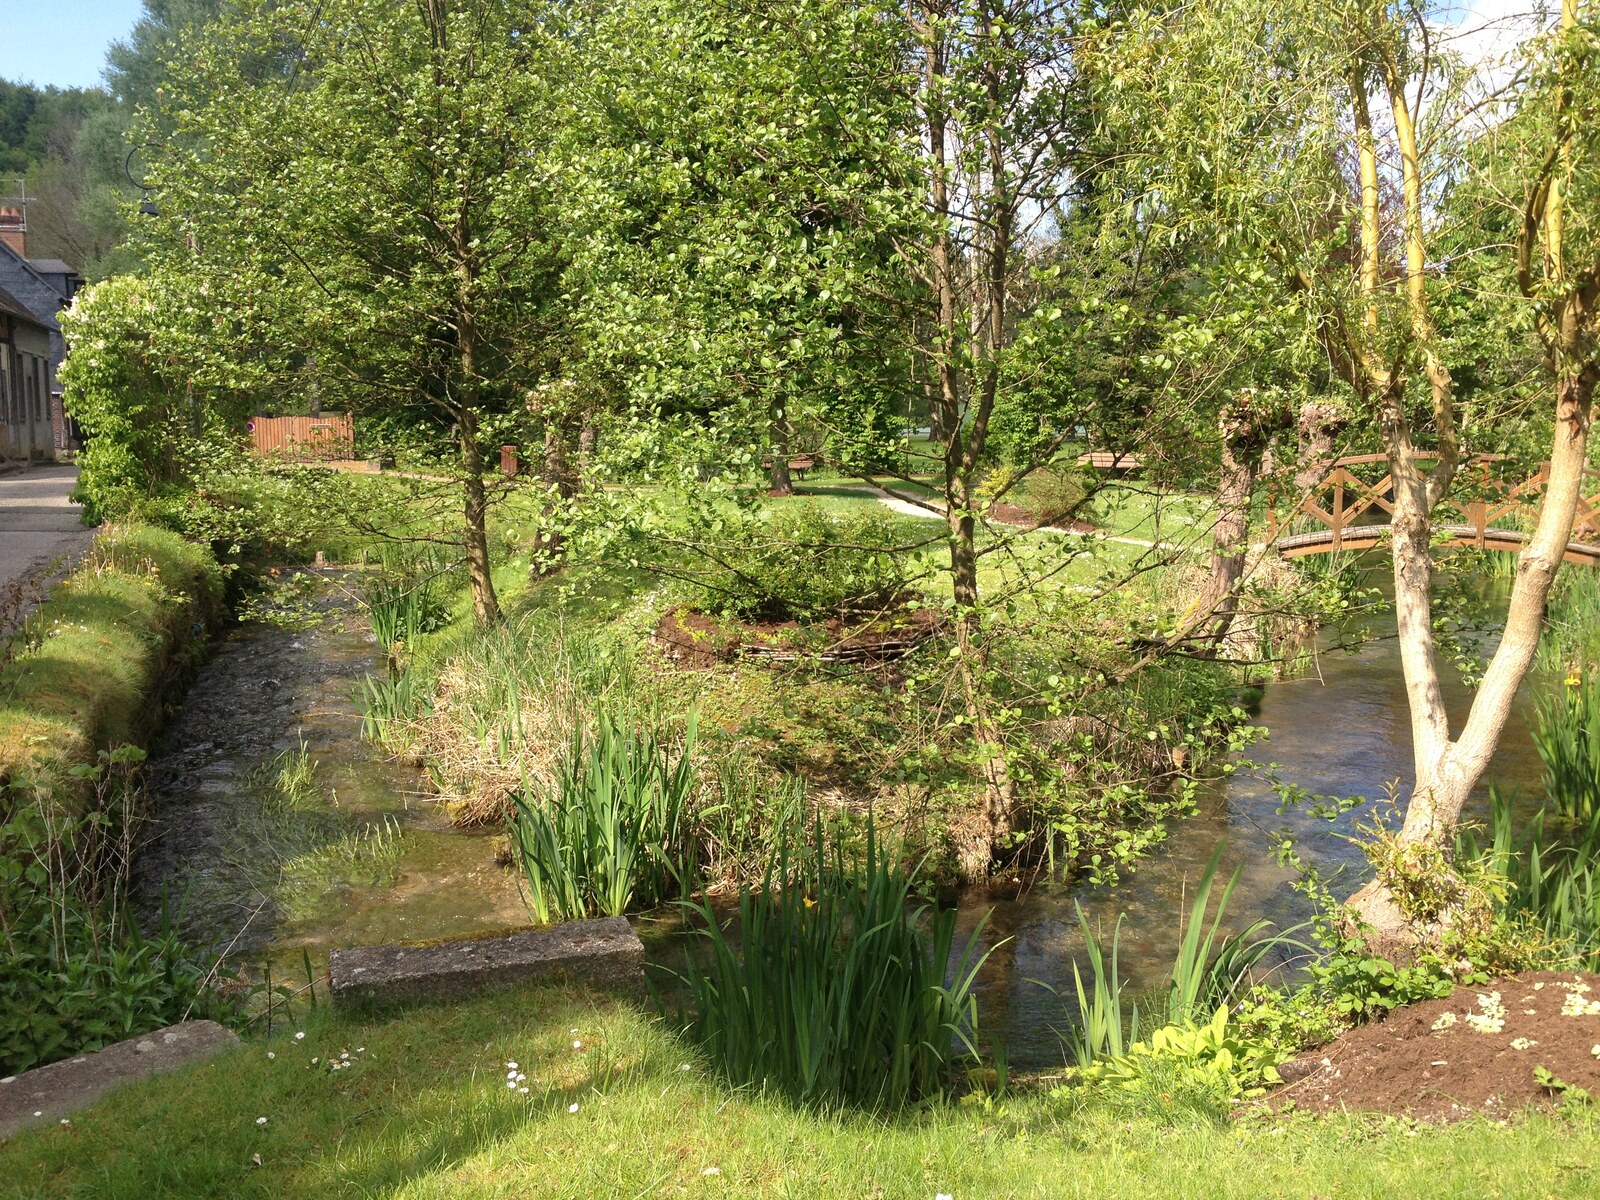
[508, 461]
[1477, 517]
[1338, 513]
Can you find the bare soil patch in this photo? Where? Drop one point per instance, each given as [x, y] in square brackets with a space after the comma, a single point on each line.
[1027, 518]
[698, 640]
[1473, 1053]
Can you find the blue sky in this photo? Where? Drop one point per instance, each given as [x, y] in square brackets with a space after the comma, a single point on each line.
[61, 41]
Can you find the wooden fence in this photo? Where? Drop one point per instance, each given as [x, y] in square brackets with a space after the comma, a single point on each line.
[331, 438]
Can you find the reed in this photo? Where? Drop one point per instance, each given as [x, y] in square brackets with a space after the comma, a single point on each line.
[841, 992]
[1550, 874]
[1566, 735]
[613, 834]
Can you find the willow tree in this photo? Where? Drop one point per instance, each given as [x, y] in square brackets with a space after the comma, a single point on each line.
[1325, 140]
[382, 172]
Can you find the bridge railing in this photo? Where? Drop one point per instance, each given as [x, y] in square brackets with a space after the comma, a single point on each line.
[1494, 512]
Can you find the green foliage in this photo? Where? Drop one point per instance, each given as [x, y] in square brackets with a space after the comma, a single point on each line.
[804, 562]
[613, 835]
[836, 992]
[1213, 1058]
[144, 356]
[1365, 986]
[75, 972]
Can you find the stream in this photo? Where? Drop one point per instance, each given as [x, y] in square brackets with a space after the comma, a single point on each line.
[378, 861]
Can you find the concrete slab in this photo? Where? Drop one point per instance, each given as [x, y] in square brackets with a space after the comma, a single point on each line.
[44, 1095]
[603, 953]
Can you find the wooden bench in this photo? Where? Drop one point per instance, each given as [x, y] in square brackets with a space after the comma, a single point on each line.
[1104, 460]
[800, 464]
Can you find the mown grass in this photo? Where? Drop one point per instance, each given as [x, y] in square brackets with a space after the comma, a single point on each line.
[426, 1112]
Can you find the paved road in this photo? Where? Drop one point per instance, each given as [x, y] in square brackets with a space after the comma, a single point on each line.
[38, 525]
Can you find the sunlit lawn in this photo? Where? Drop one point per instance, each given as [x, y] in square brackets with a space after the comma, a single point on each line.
[425, 1112]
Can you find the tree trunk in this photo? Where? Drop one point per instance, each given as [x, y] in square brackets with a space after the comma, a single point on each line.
[485, 604]
[778, 470]
[1318, 422]
[1230, 535]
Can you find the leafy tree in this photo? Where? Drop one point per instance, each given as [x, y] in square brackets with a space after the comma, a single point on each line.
[1299, 134]
[380, 179]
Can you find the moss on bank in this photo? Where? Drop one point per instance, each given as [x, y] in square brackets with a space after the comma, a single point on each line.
[89, 663]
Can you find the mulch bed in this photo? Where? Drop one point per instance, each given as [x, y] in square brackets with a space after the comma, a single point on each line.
[1473, 1053]
[694, 639]
[1016, 514]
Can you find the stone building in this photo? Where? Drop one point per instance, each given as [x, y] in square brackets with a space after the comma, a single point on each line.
[40, 287]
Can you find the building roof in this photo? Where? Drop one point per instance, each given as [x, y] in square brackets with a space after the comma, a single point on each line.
[40, 298]
[51, 266]
[13, 307]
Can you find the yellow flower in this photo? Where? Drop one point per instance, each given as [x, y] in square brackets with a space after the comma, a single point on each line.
[1573, 679]
[809, 902]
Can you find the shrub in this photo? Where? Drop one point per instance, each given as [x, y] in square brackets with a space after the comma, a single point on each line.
[803, 562]
[613, 834]
[837, 991]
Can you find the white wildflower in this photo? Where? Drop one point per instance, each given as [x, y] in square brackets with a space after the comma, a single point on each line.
[1444, 1022]
[712, 1171]
[261, 1120]
[572, 1108]
[1523, 1043]
[576, 1044]
[300, 1037]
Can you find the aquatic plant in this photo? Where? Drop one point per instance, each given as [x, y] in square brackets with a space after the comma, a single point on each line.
[613, 833]
[1549, 873]
[840, 991]
[1566, 735]
[364, 857]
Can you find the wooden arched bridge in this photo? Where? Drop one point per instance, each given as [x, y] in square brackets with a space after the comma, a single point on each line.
[1345, 511]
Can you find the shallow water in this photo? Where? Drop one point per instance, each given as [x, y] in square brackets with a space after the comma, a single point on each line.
[213, 858]
[1340, 731]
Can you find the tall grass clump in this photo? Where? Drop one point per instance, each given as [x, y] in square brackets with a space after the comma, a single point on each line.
[1566, 736]
[1209, 972]
[1549, 873]
[613, 834]
[507, 708]
[839, 990]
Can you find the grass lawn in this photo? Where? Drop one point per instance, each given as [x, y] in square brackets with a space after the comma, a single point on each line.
[425, 1112]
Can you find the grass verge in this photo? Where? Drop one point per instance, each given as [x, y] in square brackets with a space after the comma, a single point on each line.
[425, 1112]
[90, 659]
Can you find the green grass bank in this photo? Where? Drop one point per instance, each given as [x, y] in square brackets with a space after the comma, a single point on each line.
[89, 666]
